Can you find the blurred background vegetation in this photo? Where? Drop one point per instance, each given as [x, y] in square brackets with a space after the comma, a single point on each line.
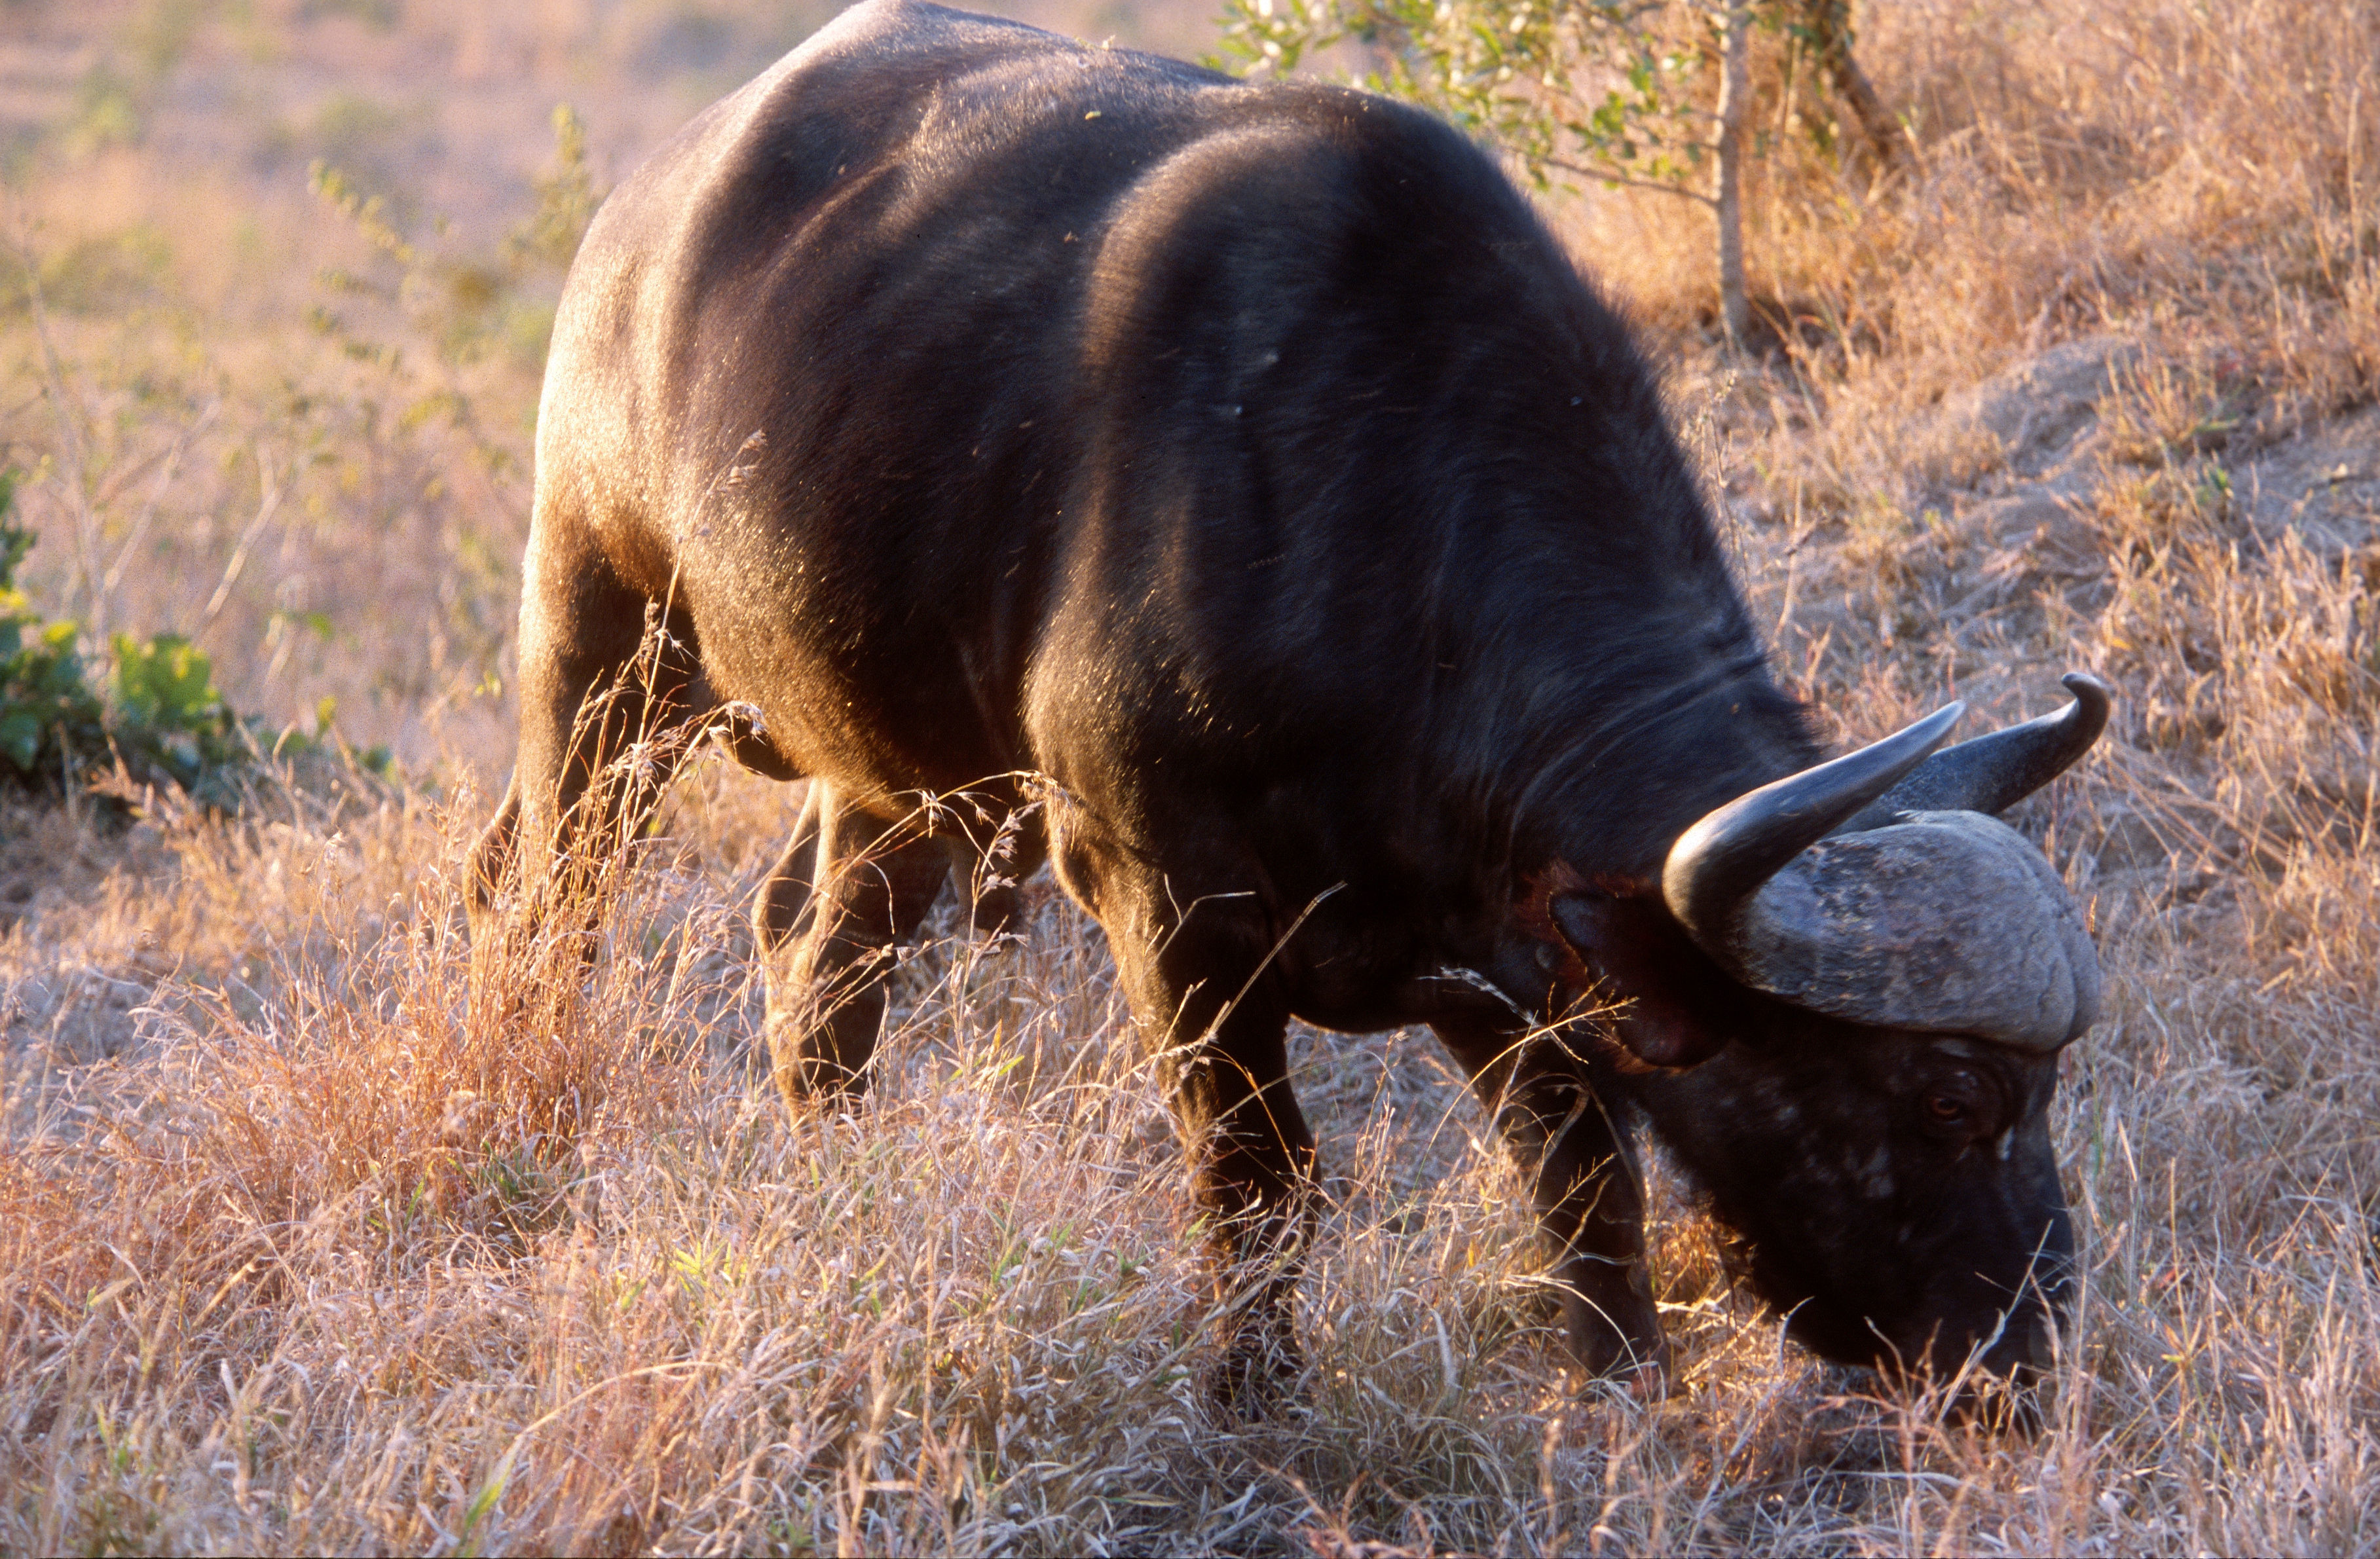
[275, 280]
[2063, 353]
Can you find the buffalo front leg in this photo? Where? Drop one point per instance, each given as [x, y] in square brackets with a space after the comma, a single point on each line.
[1223, 1060]
[1251, 1157]
[828, 921]
[1584, 1181]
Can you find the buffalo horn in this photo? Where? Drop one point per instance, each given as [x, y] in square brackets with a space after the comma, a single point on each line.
[1716, 866]
[1993, 773]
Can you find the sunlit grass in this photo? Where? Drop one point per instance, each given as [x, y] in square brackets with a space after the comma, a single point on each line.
[300, 1250]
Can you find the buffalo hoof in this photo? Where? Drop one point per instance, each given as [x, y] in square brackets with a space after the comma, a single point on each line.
[1649, 1380]
[1644, 1379]
[1255, 1379]
[2010, 1407]
[1621, 1342]
[815, 1085]
[820, 1052]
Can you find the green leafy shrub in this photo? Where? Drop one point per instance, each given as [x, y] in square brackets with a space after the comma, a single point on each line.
[1649, 94]
[161, 719]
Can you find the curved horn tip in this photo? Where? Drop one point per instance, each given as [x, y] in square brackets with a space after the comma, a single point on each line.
[2093, 699]
[1946, 717]
[2002, 768]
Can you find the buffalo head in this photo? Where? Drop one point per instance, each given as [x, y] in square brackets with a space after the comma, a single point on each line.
[1840, 1007]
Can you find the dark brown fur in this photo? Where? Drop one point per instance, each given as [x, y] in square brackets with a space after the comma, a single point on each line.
[1247, 465]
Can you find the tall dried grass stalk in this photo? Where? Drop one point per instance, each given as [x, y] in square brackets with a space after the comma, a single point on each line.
[302, 1249]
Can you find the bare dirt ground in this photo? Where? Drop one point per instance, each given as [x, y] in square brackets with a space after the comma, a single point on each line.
[295, 1256]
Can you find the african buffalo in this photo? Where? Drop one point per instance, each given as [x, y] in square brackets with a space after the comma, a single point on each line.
[1246, 473]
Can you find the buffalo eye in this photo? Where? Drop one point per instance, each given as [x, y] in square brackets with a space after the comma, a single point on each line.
[1956, 1107]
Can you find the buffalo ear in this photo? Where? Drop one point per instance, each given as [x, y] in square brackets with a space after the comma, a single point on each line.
[1676, 1007]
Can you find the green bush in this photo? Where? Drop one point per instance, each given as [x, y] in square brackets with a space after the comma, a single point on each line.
[160, 719]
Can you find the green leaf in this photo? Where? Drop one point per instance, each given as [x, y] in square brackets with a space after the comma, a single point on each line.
[166, 681]
[20, 737]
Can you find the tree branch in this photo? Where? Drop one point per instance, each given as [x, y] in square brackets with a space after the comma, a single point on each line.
[1618, 181]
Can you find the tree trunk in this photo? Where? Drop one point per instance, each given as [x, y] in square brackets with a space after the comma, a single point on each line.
[1736, 313]
[1830, 26]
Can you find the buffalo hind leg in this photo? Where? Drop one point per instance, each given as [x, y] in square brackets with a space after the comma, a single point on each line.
[777, 912]
[1590, 1210]
[827, 927]
[996, 846]
[585, 698]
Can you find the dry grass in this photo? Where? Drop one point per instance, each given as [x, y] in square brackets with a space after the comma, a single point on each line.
[294, 1257]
